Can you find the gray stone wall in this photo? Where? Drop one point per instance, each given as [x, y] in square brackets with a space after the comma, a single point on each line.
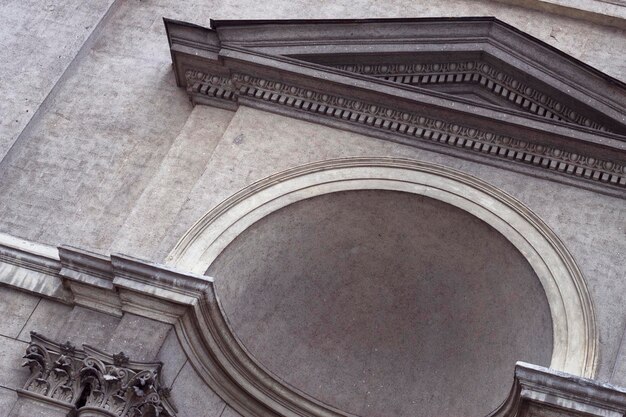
[100, 149]
[76, 174]
[141, 339]
[40, 42]
[257, 144]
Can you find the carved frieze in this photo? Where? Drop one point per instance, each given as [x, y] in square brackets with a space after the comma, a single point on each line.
[210, 85]
[93, 382]
[482, 74]
[407, 124]
[489, 93]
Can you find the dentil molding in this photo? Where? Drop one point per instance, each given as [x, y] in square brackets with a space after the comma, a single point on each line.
[475, 88]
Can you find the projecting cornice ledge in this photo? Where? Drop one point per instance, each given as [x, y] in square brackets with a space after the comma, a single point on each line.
[538, 391]
[474, 88]
[92, 383]
[60, 373]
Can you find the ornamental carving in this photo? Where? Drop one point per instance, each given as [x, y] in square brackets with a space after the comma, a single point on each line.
[89, 380]
[481, 74]
[411, 125]
[416, 126]
[487, 93]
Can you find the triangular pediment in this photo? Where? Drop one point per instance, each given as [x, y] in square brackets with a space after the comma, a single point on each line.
[475, 84]
[481, 79]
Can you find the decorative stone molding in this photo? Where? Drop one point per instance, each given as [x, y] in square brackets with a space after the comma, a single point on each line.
[32, 267]
[211, 88]
[412, 125]
[481, 74]
[90, 277]
[189, 302]
[538, 391]
[94, 383]
[575, 338]
[544, 113]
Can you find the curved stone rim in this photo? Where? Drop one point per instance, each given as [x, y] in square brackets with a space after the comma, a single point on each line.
[574, 329]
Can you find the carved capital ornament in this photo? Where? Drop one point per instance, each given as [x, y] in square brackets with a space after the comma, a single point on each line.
[94, 383]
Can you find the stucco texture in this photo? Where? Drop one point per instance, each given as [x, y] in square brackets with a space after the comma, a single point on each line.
[99, 149]
[385, 303]
[77, 171]
[257, 144]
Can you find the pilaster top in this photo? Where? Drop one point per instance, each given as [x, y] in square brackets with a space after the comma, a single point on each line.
[93, 382]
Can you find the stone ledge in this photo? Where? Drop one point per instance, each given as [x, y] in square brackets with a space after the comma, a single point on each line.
[562, 119]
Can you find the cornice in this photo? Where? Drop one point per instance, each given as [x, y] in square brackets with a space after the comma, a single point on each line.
[59, 372]
[482, 74]
[189, 302]
[557, 124]
[540, 391]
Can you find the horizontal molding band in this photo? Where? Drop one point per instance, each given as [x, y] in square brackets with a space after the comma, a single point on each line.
[555, 124]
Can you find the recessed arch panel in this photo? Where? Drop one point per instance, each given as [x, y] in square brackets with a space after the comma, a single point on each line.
[574, 332]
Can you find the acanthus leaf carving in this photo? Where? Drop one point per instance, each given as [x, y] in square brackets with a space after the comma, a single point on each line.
[110, 383]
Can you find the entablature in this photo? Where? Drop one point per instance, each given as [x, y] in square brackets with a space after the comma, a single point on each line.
[475, 88]
[90, 382]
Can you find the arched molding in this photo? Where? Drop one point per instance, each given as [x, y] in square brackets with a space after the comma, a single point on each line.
[189, 301]
[574, 330]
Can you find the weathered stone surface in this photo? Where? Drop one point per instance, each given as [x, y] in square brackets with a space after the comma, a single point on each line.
[31, 267]
[8, 398]
[179, 171]
[618, 376]
[192, 397]
[84, 326]
[139, 337]
[46, 319]
[15, 309]
[27, 407]
[61, 322]
[590, 224]
[173, 358]
[229, 412]
[370, 289]
[39, 42]
[104, 189]
[55, 170]
[12, 375]
[598, 11]
[89, 165]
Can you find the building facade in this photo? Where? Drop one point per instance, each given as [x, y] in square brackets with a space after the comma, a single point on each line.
[313, 209]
